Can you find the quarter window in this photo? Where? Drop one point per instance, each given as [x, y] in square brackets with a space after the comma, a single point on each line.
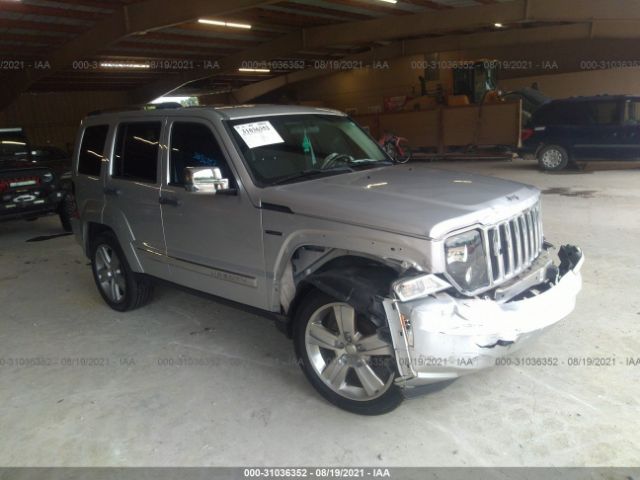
[136, 153]
[194, 145]
[92, 150]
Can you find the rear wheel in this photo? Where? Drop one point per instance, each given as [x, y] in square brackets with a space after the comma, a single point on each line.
[553, 158]
[344, 357]
[120, 287]
[66, 210]
[394, 152]
[406, 154]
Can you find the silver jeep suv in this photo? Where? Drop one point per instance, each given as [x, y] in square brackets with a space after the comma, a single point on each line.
[388, 277]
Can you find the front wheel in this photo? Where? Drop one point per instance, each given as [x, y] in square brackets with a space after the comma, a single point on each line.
[344, 356]
[553, 158]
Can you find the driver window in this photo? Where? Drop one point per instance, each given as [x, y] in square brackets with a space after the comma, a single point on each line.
[194, 145]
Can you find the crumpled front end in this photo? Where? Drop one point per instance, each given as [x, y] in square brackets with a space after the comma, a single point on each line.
[442, 337]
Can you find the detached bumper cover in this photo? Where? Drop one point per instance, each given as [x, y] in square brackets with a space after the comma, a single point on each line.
[442, 337]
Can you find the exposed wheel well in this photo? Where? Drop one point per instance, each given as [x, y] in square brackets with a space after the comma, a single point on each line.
[352, 278]
[93, 230]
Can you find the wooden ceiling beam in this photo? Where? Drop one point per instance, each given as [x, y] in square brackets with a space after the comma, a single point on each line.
[343, 14]
[28, 9]
[7, 23]
[194, 41]
[430, 4]
[380, 7]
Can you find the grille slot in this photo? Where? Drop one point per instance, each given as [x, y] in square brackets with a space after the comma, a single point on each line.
[514, 244]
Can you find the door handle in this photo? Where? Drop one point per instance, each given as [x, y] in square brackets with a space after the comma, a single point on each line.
[169, 201]
[112, 191]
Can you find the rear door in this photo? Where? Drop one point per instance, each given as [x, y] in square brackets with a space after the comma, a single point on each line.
[600, 137]
[214, 240]
[90, 158]
[132, 194]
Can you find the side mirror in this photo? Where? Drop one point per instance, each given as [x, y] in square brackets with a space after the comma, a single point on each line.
[205, 180]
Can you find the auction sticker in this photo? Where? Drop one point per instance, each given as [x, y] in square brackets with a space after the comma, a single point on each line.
[257, 134]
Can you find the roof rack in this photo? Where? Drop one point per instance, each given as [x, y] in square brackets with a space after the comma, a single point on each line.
[135, 108]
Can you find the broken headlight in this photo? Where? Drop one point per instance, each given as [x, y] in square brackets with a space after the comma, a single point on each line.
[408, 289]
[467, 261]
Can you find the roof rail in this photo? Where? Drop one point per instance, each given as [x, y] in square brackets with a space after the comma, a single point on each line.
[134, 108]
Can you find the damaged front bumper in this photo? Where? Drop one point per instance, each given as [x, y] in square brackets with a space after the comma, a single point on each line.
[441, 337]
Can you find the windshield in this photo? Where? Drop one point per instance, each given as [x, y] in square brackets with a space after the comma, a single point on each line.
[284, 148]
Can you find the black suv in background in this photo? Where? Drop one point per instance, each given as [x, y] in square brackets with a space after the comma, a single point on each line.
[33, 182]
[583, 129]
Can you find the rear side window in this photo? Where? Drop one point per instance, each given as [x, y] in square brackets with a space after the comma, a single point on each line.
[604, 113]
[578, 113]
[92, 150]
[136, 152]
[562, 113]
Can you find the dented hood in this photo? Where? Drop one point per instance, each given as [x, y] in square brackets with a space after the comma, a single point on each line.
[408, 199]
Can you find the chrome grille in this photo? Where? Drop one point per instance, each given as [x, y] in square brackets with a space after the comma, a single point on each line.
[514, 244]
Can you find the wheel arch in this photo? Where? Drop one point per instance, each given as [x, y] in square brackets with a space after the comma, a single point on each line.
[92, 230]
[553, 142]
[96, 228]
[357, 279]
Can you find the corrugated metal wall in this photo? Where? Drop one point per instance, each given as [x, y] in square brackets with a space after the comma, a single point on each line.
[53, 118]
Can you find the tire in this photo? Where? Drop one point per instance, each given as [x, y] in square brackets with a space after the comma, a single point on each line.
[345, 361]
[408, 154]
[120, 287]
[553, 158]
[66, 210]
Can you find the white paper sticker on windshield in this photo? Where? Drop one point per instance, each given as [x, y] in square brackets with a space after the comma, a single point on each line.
[257, 134]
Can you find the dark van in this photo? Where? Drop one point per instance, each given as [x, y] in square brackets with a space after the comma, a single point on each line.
[583, 129]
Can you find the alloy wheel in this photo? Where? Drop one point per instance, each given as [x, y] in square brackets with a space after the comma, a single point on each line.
[110, 273]
[347, 353]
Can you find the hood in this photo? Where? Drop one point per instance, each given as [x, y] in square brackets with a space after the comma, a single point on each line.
[14, 161]
[10, 163]
[408, 199]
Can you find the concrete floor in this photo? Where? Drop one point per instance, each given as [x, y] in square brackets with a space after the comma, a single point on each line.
[248, 404]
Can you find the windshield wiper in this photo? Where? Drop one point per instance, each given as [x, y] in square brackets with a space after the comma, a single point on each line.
[367, 162]
[310, 173]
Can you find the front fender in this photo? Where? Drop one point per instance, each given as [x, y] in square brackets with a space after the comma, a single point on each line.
[284, 233]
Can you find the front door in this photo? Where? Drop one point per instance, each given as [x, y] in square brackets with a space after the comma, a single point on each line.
[213, 239]
[133, 192]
